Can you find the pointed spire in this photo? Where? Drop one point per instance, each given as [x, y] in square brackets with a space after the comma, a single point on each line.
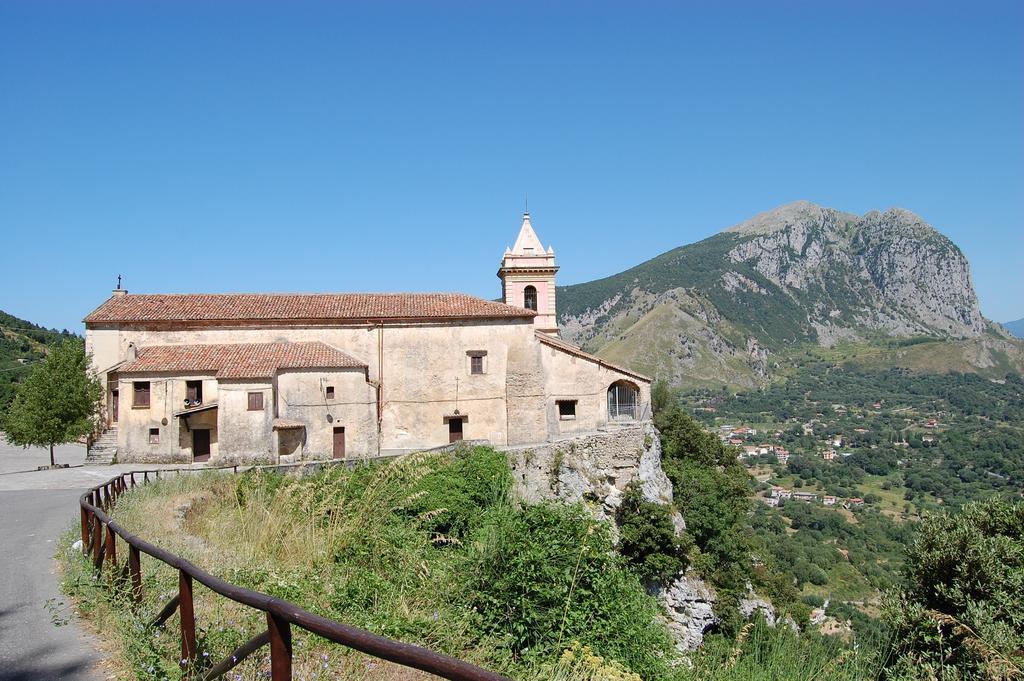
[527, 242]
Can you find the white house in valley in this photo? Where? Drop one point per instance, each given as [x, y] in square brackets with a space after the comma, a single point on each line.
[284, 377]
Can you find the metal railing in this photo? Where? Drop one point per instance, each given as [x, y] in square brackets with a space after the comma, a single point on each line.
[99, 538]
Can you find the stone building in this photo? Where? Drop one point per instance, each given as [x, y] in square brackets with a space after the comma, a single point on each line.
[282, 377]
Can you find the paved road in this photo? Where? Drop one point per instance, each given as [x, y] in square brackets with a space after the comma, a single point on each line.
[32, 645]
[36, 507]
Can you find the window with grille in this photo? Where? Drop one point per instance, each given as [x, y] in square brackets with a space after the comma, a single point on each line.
[154, 436]
[566, 409]
[622, 401]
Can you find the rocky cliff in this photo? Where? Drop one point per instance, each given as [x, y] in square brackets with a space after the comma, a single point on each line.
[735, 307]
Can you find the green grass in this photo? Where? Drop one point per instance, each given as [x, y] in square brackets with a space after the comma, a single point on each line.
[429, 549]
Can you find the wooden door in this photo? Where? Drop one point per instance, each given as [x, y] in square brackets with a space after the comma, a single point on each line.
[115, 399]
[201, 444]
[339, 442]
[454, 430]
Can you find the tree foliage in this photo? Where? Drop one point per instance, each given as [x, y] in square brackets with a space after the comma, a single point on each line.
[961, 615]
[547, 575]
[22, 345]
[59, 402]
[647, 537]
[712, 491]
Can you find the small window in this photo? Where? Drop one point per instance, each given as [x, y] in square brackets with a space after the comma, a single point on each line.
[477, 361]
[193, 393]
[530, 298]
[330, 392]
[566, 410]
[255, 401]
[140, 394]
[154, 436]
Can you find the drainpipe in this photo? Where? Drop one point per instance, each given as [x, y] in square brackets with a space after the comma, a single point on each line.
[380, 383]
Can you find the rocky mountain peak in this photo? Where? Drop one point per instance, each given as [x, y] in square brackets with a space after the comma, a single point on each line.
[726, 308]
[796, 214]
[886, 271]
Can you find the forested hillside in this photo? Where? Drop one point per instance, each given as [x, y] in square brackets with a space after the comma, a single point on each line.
[845, 461]
[22, 343]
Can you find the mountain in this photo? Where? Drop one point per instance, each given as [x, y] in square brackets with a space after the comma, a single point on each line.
[22, 344]
[1015, 327]
[756, 299]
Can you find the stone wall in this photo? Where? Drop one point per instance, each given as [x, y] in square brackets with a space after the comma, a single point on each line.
[594, 468]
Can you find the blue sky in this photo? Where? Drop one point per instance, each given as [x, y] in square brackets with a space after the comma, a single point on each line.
[300, 146]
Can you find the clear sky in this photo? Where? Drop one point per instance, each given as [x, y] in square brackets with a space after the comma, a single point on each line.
[302, 146]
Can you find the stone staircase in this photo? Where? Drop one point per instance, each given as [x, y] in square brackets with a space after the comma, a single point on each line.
[103, 449]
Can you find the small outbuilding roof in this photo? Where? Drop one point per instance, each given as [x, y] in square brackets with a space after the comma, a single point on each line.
[239, 360]
[292, 307]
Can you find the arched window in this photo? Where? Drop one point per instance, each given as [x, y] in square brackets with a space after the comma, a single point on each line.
[623, 397]
[530, 298]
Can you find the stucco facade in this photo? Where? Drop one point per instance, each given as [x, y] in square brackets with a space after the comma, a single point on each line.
[346, 375]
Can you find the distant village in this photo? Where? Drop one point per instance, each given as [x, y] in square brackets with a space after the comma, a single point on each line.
[751, 444]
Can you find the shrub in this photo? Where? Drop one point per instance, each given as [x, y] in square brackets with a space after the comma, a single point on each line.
[961, 614]
[547, 576]
[450, 500]
[647, 537]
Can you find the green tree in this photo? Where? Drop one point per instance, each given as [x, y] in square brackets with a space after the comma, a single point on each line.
[661, 396]
[961, 614]
[647, 537]
[59, 402]
[711, 490]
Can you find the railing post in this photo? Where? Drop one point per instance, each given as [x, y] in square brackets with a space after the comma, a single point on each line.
[85, 525]
[111, 548]
[135, 570]
[280, 648]
[132, 474]
[97, 543]
[188, 618]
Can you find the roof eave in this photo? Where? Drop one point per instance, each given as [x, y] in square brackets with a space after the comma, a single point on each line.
[569, 348]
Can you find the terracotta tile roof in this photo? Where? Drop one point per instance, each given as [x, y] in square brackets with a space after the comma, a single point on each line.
[239, 360]
[562, 345]
[226, 307]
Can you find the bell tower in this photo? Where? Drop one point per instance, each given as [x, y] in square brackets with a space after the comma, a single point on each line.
[527, 276]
